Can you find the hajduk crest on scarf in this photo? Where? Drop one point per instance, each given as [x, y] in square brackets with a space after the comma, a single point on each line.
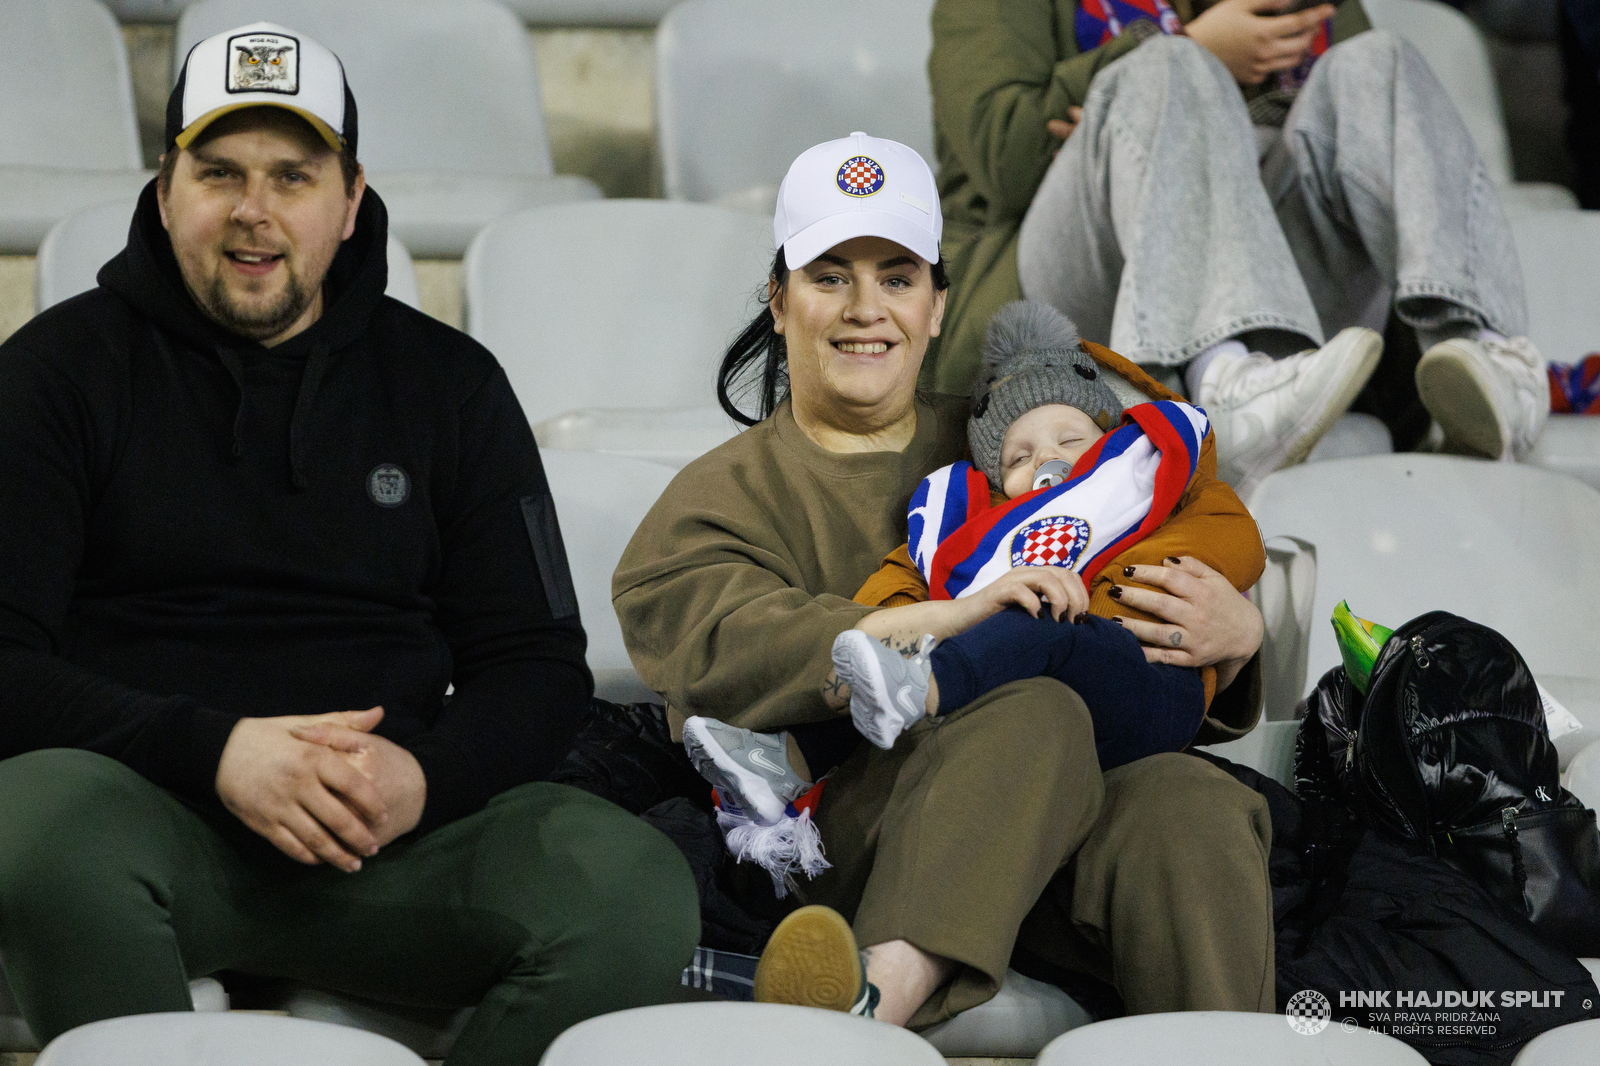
[1119, 492]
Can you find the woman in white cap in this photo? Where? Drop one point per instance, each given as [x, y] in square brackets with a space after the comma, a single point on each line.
[952, 848]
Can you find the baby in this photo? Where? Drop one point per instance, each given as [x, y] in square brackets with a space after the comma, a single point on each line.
[1009, 574]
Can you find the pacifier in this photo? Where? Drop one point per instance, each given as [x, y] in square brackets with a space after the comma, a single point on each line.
[1051, 474]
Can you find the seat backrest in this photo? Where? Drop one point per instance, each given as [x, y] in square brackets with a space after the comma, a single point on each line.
[1222, 1038]
[230, 1039]
[147, 10]
[1455, 50]
[68, 97]
[743, 88]
[693, 1034]
[1267, 749]
[1573, 1044]
[600, 500]
[614, 303]
[1507, 545]
[590, 12]
[75, 249]
[439, 86]
[1560, 255]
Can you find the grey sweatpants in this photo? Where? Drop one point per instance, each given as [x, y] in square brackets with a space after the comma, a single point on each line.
[1164, 227]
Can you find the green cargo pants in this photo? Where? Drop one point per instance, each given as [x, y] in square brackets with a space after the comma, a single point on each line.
[547, 907]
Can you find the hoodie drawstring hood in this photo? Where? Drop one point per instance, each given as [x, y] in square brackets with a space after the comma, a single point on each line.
[146, 275]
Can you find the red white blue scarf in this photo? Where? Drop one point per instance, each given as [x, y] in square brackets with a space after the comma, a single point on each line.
[1098, 21]
[1120, 491]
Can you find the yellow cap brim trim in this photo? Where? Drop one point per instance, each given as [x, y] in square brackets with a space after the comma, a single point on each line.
[195, 128]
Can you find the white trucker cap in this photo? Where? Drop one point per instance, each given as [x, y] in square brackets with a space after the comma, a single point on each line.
[858, 186]
[262, 64]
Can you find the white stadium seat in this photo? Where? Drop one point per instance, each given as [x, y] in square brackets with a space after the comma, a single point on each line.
[78, 246]
[1560, 255]
[1222, 1038]
[1022, 1018]
[673, 436]
[1455, 50]
[429, 1032]
[615, 305]
[590, 12]
[1352, 435]
[600, 500]
[147, 10]
[239, 1039]
[206, 993]
[68, 138]
[1573, 1044]
[1582, 776]
[742, 88]
[1267, 749]
[1504, 544]
[695, 1034]
[452, 133]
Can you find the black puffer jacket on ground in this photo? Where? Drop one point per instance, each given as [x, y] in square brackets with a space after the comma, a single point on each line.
[1355, 912]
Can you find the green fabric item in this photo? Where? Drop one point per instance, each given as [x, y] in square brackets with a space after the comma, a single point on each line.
[1360, 641]
[999, 70]
[547, 907]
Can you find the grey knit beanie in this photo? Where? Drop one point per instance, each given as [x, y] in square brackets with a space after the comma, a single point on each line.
[1032, 356]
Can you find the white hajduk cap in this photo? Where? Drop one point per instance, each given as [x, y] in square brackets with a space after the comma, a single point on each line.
[858, 186]
[262, 64]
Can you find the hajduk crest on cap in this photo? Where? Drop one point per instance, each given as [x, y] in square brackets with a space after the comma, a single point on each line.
[263, 63]
[860, 176]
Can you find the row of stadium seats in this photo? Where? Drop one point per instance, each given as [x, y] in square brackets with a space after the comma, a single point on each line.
[533, 12]
[453, 130]
[693, 1034]
[610, 316]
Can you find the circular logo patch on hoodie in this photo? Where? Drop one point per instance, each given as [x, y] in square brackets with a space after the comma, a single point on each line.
[388, 485]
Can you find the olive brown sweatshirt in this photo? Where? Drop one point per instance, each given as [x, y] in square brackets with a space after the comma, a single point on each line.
[749, 565]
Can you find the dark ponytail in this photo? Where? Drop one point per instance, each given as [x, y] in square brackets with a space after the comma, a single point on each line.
[758, 359]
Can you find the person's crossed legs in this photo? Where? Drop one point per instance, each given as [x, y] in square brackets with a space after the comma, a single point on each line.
[1168, 899]
[547, 907]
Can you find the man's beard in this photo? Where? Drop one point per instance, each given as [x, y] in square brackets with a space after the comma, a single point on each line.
[261, 323]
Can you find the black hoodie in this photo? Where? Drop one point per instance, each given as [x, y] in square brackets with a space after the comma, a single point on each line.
[195, 528]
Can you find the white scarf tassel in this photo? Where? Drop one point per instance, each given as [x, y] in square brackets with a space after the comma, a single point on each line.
[778, 848]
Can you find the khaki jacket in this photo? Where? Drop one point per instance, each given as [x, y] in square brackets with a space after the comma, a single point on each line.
[999, 70]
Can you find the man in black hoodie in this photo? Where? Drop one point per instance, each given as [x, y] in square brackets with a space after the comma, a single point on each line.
[280, 579]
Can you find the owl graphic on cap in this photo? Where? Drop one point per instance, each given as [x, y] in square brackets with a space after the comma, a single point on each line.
[259, 65]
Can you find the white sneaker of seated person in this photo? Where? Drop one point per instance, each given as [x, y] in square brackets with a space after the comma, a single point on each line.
[1269, 413]
[1490, 394]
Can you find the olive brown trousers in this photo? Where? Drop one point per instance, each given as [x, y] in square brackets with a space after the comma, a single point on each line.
[993, 827]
